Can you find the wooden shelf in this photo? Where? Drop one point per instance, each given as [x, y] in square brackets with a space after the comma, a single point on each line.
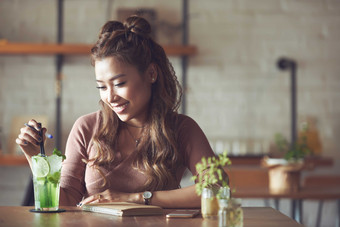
[246, 160]
[256, 161]
[236, 161]
[13, 160]
[76, 49]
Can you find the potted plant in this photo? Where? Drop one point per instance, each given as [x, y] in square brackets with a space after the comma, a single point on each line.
[284, 173]
[212, 183]
[295, 153]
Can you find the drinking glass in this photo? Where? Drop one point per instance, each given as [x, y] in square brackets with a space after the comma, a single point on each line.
[46, 180]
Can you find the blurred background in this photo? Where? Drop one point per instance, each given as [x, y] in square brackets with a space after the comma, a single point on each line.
[233, 87]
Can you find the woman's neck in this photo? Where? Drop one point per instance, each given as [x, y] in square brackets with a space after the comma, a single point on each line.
[134, 132]
[133, 126]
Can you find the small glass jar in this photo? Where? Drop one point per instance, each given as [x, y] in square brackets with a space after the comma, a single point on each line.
[222, 213]
[209, 204]
[230, 213]
[224, 193]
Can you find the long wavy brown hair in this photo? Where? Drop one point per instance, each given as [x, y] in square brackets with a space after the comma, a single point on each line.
[157, 153]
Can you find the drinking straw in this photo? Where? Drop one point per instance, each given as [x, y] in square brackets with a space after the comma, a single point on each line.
[42, 148]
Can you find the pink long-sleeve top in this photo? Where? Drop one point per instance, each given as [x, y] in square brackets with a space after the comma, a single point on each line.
[79, 179]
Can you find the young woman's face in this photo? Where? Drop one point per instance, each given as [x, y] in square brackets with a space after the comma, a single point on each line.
[124, 89]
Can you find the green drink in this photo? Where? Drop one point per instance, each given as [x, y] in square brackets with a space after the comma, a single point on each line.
[46, 180]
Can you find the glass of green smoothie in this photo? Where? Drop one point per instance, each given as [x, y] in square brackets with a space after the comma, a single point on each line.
[46, 180]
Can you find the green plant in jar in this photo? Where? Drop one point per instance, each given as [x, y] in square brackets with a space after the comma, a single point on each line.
[210, 173]
[211, 183]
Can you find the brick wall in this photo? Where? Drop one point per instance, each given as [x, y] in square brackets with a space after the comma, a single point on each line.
[235, 91]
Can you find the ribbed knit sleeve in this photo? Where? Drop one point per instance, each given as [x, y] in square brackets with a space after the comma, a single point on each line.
[72, 184]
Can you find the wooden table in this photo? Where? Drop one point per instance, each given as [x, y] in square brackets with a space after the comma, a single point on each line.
[303, 193]
[21, 216]
[312, 193]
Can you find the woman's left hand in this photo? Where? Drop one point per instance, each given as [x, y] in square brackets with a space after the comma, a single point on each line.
[112, 196]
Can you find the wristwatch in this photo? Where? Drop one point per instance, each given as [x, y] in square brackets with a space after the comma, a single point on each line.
[147, 197]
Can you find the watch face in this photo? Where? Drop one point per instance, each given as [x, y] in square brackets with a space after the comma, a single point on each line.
[147, 195]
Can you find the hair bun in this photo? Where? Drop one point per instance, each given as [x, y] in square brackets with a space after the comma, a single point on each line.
[111, 26]
[138, 25]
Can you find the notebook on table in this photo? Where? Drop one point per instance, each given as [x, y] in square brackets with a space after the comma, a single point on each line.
[123, 209]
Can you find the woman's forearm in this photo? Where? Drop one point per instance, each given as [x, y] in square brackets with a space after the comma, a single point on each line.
[177, 198]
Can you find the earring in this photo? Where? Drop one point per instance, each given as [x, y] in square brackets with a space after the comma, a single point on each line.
[153, 79]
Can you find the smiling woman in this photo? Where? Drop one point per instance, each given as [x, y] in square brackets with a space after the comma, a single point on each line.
[136, 147]
[124, 89]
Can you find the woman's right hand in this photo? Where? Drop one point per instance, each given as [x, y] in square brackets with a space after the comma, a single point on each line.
[29, 138]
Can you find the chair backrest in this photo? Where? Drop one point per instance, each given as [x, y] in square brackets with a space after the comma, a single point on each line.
[322, 180]
[248, 177]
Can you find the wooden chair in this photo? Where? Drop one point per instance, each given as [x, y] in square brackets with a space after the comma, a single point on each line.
[323, 181]
[249, 177]
[242, 176]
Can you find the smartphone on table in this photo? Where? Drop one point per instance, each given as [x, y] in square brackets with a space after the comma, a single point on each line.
[183, 213]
